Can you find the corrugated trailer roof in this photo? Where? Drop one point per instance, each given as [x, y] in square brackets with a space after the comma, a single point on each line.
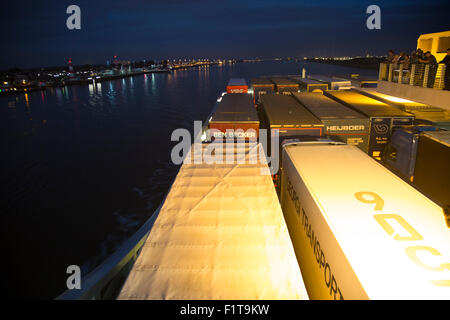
[403, 104]
[393, 238]
[220, 234]
[326, 108]
[237, 82]
[368, 106]
[261, 82]
[236, 107]
[282, 110]
[283, 81]
[306, 80]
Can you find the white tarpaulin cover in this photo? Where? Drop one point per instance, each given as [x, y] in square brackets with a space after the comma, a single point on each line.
[220, 234]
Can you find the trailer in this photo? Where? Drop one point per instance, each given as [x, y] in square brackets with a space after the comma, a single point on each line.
[220, 235]
[383, 117]
[310, 85]
[237, 85]
[261, 86]
[333, 83]
[237, 114]
[401, 151]
[432, 168]
[423, 113]
[360, 82]
[346, 124]
[287, 115]
[358, 230]
[285, 85]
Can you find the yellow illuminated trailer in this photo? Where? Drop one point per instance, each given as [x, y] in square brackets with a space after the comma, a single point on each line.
[220, 234]
[359, 231]
[423, 113]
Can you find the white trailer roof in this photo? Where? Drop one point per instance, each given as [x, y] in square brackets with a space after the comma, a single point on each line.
[399, 265]
[330, 80]
[220, 234]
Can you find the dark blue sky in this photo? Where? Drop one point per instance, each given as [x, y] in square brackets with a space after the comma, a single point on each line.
[34, 33]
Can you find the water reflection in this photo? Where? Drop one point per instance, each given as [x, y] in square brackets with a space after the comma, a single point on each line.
[74, 92]
[99, 88]
[153, 84]
[27, 102]
[59, 96]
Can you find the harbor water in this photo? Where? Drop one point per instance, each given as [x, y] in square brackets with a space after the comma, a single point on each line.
[85, 166]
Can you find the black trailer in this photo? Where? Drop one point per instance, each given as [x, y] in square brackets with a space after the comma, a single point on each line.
[346, 124]
[383, 118]
[287, 115]
[423, 113]
[261, 86]
[432, 169]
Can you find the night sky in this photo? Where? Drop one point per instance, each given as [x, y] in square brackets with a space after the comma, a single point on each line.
[34, 33]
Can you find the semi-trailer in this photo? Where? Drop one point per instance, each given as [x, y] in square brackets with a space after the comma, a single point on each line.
[358, 81]
[333, 83]
[423, 113]
[287, 115]
[237, 85]
[383, 117]
[261, 86]
[358, 230]
[292, 120]
[285, 85]
[340, 121]
[236, 114]
[310, 85]
[421, 155]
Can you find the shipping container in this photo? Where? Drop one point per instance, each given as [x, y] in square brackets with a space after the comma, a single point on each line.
[310, 85]
[261, 86]
[237, 85]
[432, 169]
[359, 231]
[285, 85]
[333, 83]
[220, 235]
[235, 111]
[383, 117]
[340, 121]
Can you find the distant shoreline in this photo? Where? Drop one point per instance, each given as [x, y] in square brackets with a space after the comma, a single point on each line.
[360, 63]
